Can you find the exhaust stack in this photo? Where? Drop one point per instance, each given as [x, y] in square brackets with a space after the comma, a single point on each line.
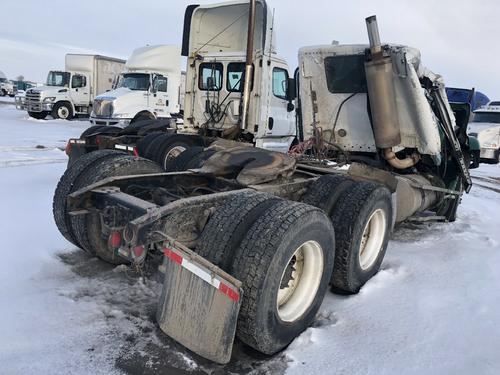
[249, 61]
[382, 97]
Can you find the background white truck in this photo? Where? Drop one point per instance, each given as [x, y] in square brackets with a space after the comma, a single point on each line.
[485, 126]
[7, 87]
[72, 92]
[149, 88]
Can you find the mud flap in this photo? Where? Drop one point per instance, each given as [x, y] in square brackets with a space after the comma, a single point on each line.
[199, 304]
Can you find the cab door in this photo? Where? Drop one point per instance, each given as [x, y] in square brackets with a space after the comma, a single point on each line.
[160, 99]
[280, 128]
[80, 90]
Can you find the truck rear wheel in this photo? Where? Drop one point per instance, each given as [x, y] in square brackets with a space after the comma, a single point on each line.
[192, 158]
[171, 147]
[66, 186]
[87, 229]
[325, 192]
[63, 111]
[143, 143]
[38, 115]
[362, 221]
[229, 224]
[285, 263]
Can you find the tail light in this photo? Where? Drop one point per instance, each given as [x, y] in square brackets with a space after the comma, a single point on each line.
[67, 150]
[115, 240]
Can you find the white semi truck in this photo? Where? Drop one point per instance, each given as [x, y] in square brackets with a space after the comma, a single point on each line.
[149, 88]
[485, 126]
[71, 92]
[251, 238]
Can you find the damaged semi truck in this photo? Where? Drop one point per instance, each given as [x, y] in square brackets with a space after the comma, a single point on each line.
[252, 237]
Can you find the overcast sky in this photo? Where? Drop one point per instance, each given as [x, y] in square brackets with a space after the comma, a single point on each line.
[458, 38]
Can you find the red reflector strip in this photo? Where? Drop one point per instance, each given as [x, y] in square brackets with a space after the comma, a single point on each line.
[172, 255]
[202, 274]
[136, 153]
[229, 292]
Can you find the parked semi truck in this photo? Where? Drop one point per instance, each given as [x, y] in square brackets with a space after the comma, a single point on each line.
[71, 92]
[485, 126]
[149, 88]
[7, 88]
[251, 237]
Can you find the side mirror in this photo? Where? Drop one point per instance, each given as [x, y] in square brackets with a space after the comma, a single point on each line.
[291, 89]
[290, 107]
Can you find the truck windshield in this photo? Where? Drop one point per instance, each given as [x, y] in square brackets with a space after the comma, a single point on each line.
[492, 117]
[134, 81]
[60, 79]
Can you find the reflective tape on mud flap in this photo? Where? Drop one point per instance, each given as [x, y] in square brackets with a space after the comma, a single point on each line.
[202, 274]
[199, 303]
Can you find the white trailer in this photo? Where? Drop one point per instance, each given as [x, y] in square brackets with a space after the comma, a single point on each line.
[149, 88]
[71, 92]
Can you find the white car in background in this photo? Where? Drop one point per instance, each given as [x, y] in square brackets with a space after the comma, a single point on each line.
[485, 126]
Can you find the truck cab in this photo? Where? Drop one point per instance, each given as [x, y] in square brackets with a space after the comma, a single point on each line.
[485, 126]
[215, 44]
[7, 88]
[70, 92]
[149, 88]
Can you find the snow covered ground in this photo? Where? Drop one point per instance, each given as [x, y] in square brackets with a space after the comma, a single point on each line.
[433, 309]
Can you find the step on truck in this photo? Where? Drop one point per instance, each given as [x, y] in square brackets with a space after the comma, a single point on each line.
[251, 238]
[71, 92]
[151, 87]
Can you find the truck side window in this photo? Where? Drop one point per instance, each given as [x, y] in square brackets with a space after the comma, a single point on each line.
[236, 77]
[160, 84]
[346, 74]
[78, 81]
[280, 80]
[210, 77]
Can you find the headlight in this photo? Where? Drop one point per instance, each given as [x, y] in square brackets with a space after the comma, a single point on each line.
[121, 115]
[49, 99]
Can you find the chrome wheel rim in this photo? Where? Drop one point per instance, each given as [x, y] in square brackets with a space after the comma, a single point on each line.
[300, 281]
[172, 154]
[372, 239]
[62, 113]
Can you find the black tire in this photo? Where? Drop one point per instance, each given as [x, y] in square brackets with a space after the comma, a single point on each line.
[100, 130]
[158, 125]
[229, 224]
[3, 92]
[181, 162]
[93, 130]
[265, 254]
[449, 207]
[174, 142]
[198, 160]
[353, 211]
[87, 229]
[136, 126]
[143, 143]
[325, 192]
[66, 187]
[153, 148]
[63, 111]
[38, 115]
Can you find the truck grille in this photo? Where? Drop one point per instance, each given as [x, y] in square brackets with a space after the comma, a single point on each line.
[103, 108]
[32, 101]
